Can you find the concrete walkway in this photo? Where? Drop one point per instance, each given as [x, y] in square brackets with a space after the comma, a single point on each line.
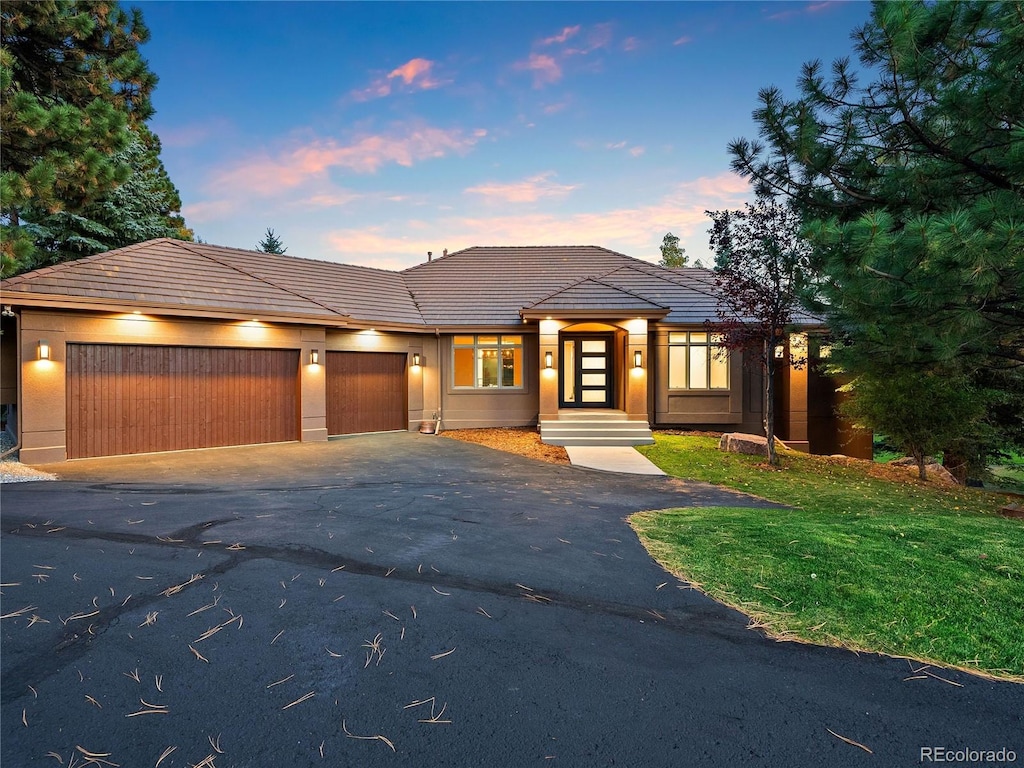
[619, 458]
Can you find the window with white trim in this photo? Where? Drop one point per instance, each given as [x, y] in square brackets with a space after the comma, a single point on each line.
[697, 360]
[487, 362]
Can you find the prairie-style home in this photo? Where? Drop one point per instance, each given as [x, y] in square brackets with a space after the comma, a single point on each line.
[168, 345]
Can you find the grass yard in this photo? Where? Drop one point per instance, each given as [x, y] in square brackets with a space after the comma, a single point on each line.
[865, 559]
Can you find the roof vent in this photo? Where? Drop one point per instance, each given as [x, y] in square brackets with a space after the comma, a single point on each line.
[445, 252]
[430, 255]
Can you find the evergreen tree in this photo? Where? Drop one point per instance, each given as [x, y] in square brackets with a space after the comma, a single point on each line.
[72, 83]
[911, 187]
[672, 255]
[761, 270]
[144, 207]
[271, 243]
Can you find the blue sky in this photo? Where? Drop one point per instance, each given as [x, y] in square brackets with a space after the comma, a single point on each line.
[370, 133]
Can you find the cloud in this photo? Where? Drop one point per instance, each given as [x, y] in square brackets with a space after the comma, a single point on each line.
[268, 174]
[635, 230]
[544, 68]
[600, 36]
[630, 44]
[208, 210]
[634, 151]
[528, 190]
[551, 109]
[813, 7]
[414, 75]
[637, 151]
[682, 40]
[561, 37]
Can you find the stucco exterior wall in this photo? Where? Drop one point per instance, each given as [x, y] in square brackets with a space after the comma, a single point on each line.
[469, 408]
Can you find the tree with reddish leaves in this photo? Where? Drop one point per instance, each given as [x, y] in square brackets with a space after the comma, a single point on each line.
[762, 267]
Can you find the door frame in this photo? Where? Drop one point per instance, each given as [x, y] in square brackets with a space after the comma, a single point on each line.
[578, 370]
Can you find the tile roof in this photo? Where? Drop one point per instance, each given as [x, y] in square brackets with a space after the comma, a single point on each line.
[591, 294]
[481, 286]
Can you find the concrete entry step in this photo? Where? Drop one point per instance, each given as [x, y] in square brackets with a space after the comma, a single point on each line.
[612, 459]
[614, 431]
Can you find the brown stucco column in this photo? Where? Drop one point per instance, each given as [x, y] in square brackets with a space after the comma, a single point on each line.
[313, 385]
[797, 382]
[637, 379]
[41, 405]
[548, 387]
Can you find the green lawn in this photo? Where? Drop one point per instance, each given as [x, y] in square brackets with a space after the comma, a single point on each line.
[865, 562]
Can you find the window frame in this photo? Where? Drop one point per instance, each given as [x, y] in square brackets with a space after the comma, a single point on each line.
[713, 352]
[499, 345]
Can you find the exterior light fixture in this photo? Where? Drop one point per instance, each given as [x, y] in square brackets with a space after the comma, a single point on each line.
[44, 350]
[779, 352]
[314, 357]
[638, 359]
[549, 360]
[8, 312]
[417, 359]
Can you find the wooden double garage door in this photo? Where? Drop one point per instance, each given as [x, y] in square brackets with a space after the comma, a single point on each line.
[124, 399]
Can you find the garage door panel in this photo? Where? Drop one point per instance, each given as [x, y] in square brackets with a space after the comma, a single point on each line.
[137, 398]
[366, 392]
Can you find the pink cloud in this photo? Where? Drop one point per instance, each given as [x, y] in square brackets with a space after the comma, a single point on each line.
[808, 8]
[271, 174]
[682, 40]
[544, 68]
[562, 36]
[634, 230]
[551, 109]
[528, 190]
[414, 75]
[630, 44]
[599, 37]
[637, 151]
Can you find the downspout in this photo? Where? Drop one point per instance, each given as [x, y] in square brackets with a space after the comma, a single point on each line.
[440, 382]
[17, 415]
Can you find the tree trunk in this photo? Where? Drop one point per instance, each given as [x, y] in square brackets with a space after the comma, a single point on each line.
[769, 404]
[956, 464]
[920, 458]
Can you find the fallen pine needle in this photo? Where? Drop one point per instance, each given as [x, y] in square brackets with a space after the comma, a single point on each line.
[523, 586]
[206, 607]
[159, 679]
[206, 763]
[152, 706]
[148, 712]
[390, 571]
[413, 609]
[150, 619]
[389, 613]
[437, 656]
[163, 756]
[56, 757]
[35, 693]
[276, 636]
[849, 741]
[24, 717]
[299, 700]
[378, 737]
[482, 612]
[93, 701]
[199, 655]
[332, 653]
[339, 568]
[216, 744]
[178, 587]
[446, 594]
[133, 675]
[661, 585]
[283, 680]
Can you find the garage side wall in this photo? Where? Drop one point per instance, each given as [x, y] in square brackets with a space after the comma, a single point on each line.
[43, 401]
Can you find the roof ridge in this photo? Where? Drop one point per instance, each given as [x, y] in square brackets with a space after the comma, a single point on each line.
[265, 280]
[670, 278]
[296, 258]
[592, 279]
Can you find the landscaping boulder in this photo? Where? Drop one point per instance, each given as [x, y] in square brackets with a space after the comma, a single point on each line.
[738, 442]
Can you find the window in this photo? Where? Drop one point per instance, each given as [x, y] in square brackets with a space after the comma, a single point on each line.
[486, 362]
[697, 361]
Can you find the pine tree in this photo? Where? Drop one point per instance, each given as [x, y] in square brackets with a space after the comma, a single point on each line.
[72, 84]
[672, 255]
[271, 243]
[911, 187]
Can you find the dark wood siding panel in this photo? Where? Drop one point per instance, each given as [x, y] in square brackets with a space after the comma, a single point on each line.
[125, 399]
[366, 392]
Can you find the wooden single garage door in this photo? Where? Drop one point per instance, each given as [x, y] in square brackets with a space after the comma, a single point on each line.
[139, 398]
[366, 392]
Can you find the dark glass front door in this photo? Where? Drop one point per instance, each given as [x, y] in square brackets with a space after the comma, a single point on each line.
[586, 371]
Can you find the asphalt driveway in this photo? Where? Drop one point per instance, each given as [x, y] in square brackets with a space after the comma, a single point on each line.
[408, 600]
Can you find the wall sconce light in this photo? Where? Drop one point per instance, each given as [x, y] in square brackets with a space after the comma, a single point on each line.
[44, 350]
[780, 351]
[638, 359]
[314, 357]
[417, 359]
[8, 312]
[549, 360]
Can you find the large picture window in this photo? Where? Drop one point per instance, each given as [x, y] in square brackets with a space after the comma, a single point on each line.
[488, 362]
[697, 361]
